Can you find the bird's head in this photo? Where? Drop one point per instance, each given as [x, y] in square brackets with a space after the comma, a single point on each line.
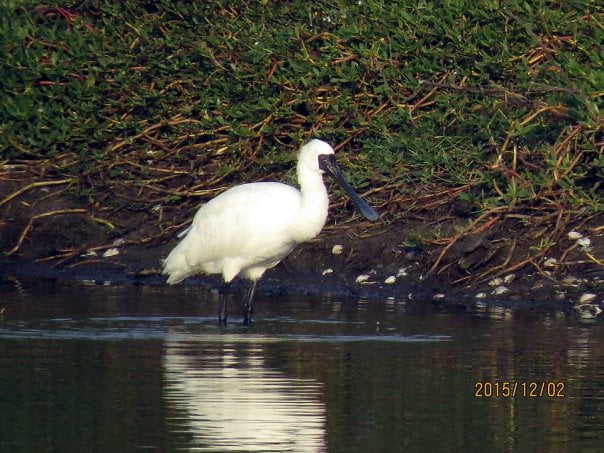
[313, 154]
[319, 157]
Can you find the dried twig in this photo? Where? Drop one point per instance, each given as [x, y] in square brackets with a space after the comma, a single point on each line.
[30, 224]
[470, 229]
[34, 185]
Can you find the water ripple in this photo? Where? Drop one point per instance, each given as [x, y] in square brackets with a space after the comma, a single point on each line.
[193, 329]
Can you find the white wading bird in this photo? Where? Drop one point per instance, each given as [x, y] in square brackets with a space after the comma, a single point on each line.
[250, 228]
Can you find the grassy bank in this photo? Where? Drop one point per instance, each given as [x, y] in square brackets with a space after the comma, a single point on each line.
[141, 110]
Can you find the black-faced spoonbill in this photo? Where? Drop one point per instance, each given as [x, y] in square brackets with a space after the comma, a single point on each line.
[250, 228]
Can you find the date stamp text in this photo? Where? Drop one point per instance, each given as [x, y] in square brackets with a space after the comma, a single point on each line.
[532, 389]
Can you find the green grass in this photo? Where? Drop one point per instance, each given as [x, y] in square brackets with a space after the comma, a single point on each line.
[130, 96]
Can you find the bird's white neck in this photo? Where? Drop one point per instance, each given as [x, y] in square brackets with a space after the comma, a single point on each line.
[314, 205]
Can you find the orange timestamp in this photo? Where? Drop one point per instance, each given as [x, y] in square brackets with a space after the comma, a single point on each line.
[531, 389]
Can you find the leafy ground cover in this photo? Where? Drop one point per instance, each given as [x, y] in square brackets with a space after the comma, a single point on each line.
[470, 125]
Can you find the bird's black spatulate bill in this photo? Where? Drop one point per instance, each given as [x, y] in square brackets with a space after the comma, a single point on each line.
[328, 163]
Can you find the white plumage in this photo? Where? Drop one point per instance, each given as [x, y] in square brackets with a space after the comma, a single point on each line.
[251, 227]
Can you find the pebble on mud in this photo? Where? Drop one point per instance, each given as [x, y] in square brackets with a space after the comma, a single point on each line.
[509, 278]
[480, 295]
[496, 282]
[500, 290]
[570, 280]
[586, 298]
[550, 262]
[111, 252]
[402, 272]
[390, 280]
[584, 243]
[328, 271]
[574, 235]
[362, 278]
[337, 249]
[438, 296]
[588, 311]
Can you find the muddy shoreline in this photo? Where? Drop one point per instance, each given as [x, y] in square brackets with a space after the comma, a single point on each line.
[429, 256]
[370, 266]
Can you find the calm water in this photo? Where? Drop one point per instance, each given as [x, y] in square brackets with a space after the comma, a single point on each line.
[108, 369]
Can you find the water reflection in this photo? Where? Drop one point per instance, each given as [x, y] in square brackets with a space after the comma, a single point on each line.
[228, 399]
[117, 368]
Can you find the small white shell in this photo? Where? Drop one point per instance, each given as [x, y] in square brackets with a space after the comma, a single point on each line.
[337, 249]
[111, 252]
[574, 235]
[402, 272]
[500, 290]
[509, 278]
[496, 282]
[362, 278]
[588, 311]
[480, 295]
[586, 298]
[583, 242]
[390, 280]
[550, 262]
[570, 280]
[438, 296]
[328, 271]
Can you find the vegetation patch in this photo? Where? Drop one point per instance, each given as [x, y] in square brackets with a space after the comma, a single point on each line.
[476, 122]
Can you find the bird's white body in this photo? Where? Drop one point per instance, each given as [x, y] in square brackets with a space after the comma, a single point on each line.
[251, 227]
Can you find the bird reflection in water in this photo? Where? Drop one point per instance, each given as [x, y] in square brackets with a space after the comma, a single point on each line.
[228, 399]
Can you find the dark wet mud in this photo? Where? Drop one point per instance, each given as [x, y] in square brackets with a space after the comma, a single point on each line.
[424, 257]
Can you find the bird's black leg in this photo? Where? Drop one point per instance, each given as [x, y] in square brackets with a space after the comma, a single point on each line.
[248, 305]
[222, 312]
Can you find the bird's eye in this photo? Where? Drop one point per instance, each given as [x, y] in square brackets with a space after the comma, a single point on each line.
[322, 161]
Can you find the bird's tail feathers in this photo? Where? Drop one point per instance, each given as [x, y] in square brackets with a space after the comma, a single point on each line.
[176, 266]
